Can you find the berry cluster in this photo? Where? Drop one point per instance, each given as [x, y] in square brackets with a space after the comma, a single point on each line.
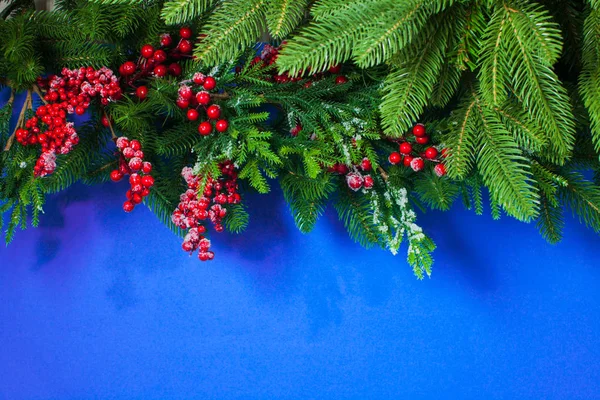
[409, 155]
[359, 177]
[158, 62]
[131, 162]
[69, 93]
[201, 100]
[193, 209]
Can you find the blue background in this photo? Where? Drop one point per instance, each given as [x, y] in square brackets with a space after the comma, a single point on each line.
[100, 304]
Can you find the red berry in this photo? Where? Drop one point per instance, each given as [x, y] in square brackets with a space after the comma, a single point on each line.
[355, 181]
[128, 206]
[213, 112]
[135, 145]
[146, 167]
[128, 68]
[185, 92]
[165, 39]
[444, 152]
[395, 158]
[135, 179]
[136, 198]
[205, 128]
[209, 83]
[203, 98]
[185, 32]
[160, 56]
[408, 160]
[440, 170]
[419, 130]
[431, 153]
[147, 181]
[147, 51]
[405, 148]
[135, 164]
[422, 139]
[199, 78]
[417, 164]
[185, 46]
[366, 164]
[222, 125]
[175, 69]
[141, 92]
[368, 181]
[116, 175]
[335, 69]
[104, 120]
[340, 80]
[296, 130]
[341, 169]
[79, 110]
[160, 71]
[192, 114]
[182, 103]
[128, 152]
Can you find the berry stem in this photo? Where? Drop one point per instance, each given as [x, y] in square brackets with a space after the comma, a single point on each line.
[383, 174]
[112, 131]
[27, 105]
[36, 90]
[220, 96]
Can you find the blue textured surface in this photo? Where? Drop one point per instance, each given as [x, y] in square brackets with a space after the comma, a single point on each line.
[99, 304]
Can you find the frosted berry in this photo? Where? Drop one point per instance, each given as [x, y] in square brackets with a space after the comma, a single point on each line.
[417, 164]
[135, 145]
[209, 83]
[368, 181]
[141, 92]
[147, 51]
[221, 125]
[440, 170]
[128, 152]
[185, 32]
[405, 148]
[213, 112]
[135, 164]
[182, 103]
[199, 78]
[192, 114]
[365, 164]
[419, 130]
[431, 153]
[146, 167]
[395, 158]
[355, 181]
[203, 98]
[205, 128]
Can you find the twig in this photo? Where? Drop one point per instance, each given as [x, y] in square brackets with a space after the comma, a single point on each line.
[220, 96]
[36, 90]
[383, 174]
[26, 106]
[112, 131]
[105, 166]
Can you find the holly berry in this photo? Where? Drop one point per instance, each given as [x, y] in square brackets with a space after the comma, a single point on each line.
[147, 51]
[160, 71]
[355, 181]
[185, 32]
[407, 160]
[417, 164]
[440, 170]
[79, 110]
[340, 80]
[431, 153]
[209, 83]
[368, 182]
[405, 148]
[165, 40]
[205, 128]
[213, 112]
[116, 175]
[175, 69]
[221, 125]
[128, 68]
[192, 114]
[159, 56]
[146, 167]
[296, 130]
[128, 206]
[422, 139]
[203, 98]
[419, 130]
[366, 164]
[182, 103]
[395, 158]
[199, 78]
[141, 92]
[135, 145]
[147, 181]
[185, 46]
[335, 69]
